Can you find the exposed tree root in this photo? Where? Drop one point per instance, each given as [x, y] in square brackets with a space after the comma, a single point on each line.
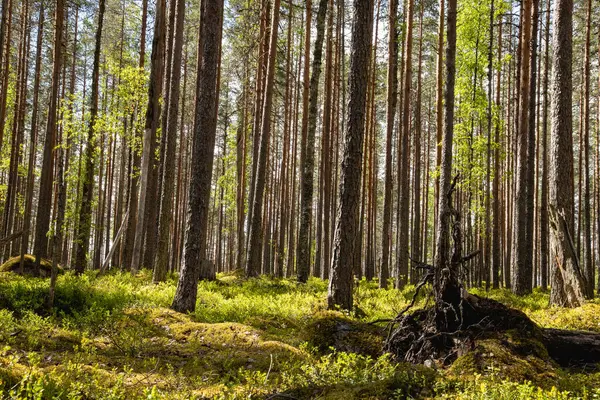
[416, 339]
[458, 319]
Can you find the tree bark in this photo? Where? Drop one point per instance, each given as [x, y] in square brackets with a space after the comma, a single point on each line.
[307, 153]
[588, 266]
[415, 247]
[392, 99]
[33, 139]
[85, 215]
[544, 261]
[497, 204]
[18, 127]
[166, 206]
[340, 284]
[404, 189]
[255, 234]
[522, 270]
[531, 142]
[42, 224]
[205, 128]
[439, 106]
[567, 286]
[446, 285]
[151, 126]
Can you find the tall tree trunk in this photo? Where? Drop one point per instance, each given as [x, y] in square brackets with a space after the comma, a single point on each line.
[205, 129]
[285, 181]
[255, 234]
[446, 284]
[544, 261]
[17, 127]
[488, 220]
[522, 270]
[404, 189]
[85, 215]
[598, 186]
[531, 143]
[307, 154]
[42, 224]
[327, 132]
[4, 26]
[166, 202]
[415, 248]
[496, 237]
[392, 99]
[567, 285]
[33, 139]
[263, 49]
[241, 150]
[439, 106]
[6, 30]
[151, 126]
[292, 228]
[133, 199]
[346, 237]
[588, 266]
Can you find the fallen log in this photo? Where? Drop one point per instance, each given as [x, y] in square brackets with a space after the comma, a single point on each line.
[572, 348]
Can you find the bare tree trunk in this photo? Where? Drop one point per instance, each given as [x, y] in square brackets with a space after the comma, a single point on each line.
[307, 154]
[496, 237]
[488, 220]
[598, 189]
[18, 127]
[544, 190]
[415, 248]
[4, 26]
[285, 178]
[180, 193]
[133, 199]
[85, 215]
[588, 266]
[6, 30]
[205, 128]
[241, 150]
[521, 278]
[404, 189]
[33, 140]
[439, 105]
[45, 194]
[263, 49]
[392, 97]
[255, 234]
[446, 284]
[292, 228]
[340, 284]
[151, 126]
[567, 286]
[531, 143]
[166, 206]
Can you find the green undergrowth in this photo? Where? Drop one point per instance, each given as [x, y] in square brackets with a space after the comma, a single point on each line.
[114, 337]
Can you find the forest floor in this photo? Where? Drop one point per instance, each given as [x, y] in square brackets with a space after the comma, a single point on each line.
[114, 337]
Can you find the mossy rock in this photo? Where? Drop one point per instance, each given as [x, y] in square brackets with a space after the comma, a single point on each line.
[328, 330]
[512, 356]
[13, 265]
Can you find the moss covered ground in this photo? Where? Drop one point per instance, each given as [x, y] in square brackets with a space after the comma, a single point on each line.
[114, 337]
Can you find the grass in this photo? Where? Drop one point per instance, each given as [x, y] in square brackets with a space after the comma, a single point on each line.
[114, 337]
